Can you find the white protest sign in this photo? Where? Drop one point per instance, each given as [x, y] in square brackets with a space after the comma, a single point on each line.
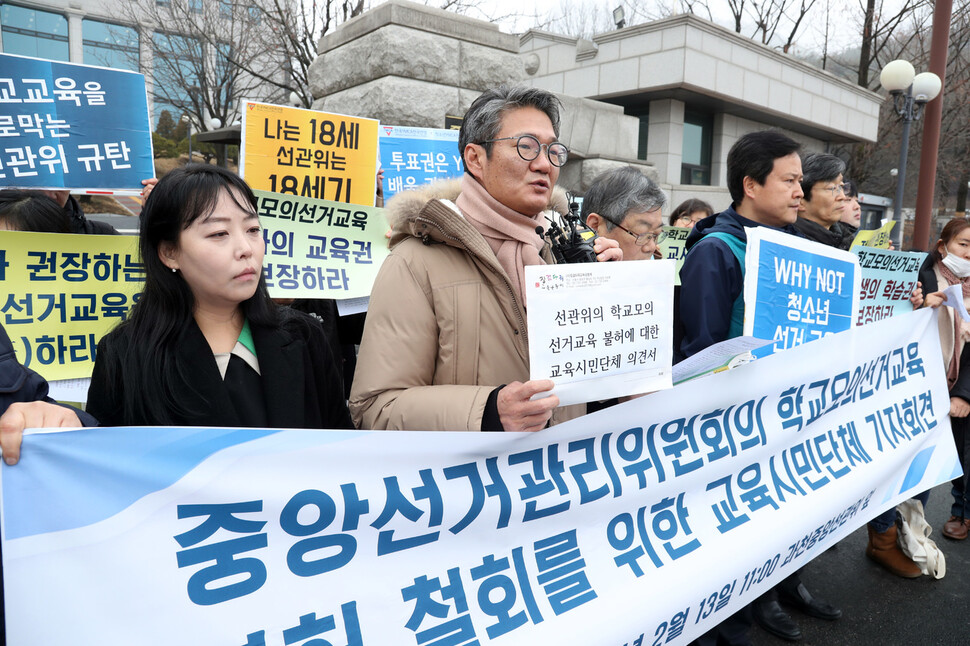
[953, 297]
[602, 329]
[611, 529]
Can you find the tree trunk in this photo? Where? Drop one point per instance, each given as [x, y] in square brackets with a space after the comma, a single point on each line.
[865, 53]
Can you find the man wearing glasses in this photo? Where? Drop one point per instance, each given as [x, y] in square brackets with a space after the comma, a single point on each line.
[445, 345]
[624, 205]
[824, 201]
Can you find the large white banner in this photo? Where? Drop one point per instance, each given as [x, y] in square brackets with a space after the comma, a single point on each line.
[652, 521]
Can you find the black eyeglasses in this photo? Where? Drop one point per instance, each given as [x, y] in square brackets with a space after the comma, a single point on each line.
[644, 238]
[529, 148]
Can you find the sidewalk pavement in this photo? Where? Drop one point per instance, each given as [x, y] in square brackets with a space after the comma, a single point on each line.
[880, 608]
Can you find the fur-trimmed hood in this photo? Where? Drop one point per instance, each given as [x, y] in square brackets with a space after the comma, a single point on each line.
[403, 209]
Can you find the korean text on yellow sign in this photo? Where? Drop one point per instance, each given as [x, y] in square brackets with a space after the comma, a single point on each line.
[63, 293]
[317, 249]
[876, 238]
[309, 153]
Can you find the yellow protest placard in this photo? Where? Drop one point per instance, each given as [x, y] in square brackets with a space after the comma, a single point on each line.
[63, 293]
[318, 249]
[877, 238]
[309, 153]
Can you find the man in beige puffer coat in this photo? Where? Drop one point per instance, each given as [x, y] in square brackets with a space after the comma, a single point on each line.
[445, 345]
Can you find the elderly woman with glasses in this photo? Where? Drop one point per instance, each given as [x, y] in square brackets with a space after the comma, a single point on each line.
[624, 205]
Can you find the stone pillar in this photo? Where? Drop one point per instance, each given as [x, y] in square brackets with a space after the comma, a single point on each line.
[408, 64]
[665, 138]
[75, 42]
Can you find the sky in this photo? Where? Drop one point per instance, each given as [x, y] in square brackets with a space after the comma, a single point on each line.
[844, 17]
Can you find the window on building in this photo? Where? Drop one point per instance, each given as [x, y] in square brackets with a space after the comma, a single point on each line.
[110, 45]
[32, 32]
[695, 165]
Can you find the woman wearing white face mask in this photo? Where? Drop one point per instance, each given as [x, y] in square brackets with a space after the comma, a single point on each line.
[949, 264]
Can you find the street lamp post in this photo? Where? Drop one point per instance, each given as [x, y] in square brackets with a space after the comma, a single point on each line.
[187, 119]
[910, 92]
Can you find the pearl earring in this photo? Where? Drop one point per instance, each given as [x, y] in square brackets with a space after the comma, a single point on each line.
[173, 270]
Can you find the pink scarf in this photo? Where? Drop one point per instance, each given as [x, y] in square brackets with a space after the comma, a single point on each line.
[511, 235]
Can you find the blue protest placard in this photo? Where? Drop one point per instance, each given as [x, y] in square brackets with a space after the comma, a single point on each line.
[70, 126]
[796, 290]
[413, 157]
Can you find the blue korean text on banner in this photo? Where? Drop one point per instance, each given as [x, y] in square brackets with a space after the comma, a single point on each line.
[414, 157]
[608, 529]
[72, 126]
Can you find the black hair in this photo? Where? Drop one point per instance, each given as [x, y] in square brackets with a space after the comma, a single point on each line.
[754, 155]
[22, 210]
[851, 188]
[164, 310]
[819, 167]
[483, 120]
[688, 206]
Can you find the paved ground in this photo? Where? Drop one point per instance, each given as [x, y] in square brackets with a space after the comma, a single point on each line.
[879, 608]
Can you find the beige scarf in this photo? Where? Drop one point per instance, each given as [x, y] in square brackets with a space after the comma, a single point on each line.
[953, 340]
[511, 235]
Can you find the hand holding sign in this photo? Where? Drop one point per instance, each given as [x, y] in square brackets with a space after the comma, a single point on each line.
[519, 412]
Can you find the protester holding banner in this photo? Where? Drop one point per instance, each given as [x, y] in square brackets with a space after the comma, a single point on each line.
[824, 201]
[689, 212]
[446, 326]
[764, 173]
[949, 264]
[820, 219]
[205, 345]
[24, 403]
[624, 205]
[31, 211]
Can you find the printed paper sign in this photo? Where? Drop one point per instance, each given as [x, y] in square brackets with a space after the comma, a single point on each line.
[63, 293]
[72, 126]
[317, 249]
[602, 329]
[611, 529]
[673, 246]
[308, 153]
[878, 238]
[888, 279]
[796, 290]
[414, 157]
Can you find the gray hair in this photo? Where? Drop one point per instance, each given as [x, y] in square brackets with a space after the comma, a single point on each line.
[484, 118]
[819, 167]
[617, 193]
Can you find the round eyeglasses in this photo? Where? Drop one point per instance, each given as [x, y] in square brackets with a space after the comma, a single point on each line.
[529, 148]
